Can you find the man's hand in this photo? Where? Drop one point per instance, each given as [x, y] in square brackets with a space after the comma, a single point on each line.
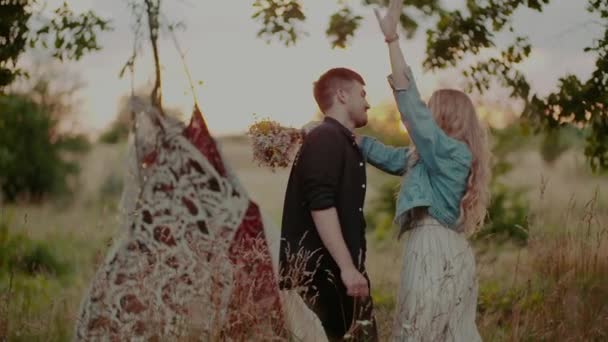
[328, 226]
[388, 22]
[355, 282]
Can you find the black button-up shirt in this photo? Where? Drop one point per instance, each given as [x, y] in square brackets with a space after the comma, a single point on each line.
[328, 171]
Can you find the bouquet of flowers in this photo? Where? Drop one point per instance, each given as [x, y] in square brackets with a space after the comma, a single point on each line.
[273, 144]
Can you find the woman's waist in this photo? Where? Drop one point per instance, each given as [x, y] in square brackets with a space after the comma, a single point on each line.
[425, 214]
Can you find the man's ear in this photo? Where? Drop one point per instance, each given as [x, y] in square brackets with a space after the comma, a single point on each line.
[341, 95]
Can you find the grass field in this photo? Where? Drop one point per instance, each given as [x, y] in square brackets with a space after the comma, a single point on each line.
[555, 288]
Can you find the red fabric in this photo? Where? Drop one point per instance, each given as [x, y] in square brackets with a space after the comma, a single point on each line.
[255, 287]
[198, 133]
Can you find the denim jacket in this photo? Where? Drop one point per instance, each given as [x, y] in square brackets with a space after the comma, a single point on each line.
[438, 178]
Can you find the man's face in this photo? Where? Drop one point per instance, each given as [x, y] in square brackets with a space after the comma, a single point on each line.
[357, 104]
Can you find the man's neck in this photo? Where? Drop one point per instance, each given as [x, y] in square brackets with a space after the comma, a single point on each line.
[343, 119]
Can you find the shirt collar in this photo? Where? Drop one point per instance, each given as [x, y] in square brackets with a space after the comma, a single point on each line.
[343, 129]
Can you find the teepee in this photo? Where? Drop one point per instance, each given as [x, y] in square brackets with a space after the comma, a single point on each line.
[194, 261]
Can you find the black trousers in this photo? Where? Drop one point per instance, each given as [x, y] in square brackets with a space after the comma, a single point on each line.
[340, 313]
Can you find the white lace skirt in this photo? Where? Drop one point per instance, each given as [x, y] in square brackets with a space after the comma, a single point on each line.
[438, 293]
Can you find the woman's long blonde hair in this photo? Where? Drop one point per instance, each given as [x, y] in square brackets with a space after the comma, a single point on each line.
[455, 113]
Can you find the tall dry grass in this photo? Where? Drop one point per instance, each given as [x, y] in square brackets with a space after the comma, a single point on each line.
[555, 288]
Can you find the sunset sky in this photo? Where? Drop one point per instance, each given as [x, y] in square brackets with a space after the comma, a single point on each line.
[243, 75]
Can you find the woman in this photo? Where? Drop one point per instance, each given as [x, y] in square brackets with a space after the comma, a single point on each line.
[442, 199]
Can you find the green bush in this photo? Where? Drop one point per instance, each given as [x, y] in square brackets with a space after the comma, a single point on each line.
[32, 159]
[556, 141]
[117, 133]
[20, 254]
[507, 216]
[111, 188]
[381, 212]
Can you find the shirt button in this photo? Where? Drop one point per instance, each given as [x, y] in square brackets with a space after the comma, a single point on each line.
[360, 209]
[361, 164]
[363, 186]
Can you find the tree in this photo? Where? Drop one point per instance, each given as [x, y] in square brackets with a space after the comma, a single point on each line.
[32, 150]
[148, 18]
[147, 13]
[457, 34]
[33, 144]
[66, 35]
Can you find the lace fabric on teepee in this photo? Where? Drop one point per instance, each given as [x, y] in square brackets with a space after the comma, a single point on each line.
[193, 261]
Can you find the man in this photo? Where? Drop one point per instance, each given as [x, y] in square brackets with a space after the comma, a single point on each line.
[323, 243]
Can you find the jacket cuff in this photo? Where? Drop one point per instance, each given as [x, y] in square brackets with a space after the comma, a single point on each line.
[408, 76]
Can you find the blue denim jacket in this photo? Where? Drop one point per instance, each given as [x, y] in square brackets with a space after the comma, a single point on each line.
[438, 178]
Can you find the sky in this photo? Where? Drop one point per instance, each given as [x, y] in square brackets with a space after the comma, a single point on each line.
[242, 75]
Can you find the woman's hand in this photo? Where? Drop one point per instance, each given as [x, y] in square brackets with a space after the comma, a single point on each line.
[388, 22]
